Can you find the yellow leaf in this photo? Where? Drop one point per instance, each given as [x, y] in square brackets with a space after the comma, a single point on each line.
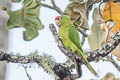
[115, 13]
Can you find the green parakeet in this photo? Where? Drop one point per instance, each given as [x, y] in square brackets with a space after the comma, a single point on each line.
[71, 40]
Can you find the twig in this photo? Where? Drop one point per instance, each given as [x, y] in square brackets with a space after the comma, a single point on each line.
[53, 3]
[29, 77]
[83, 40]
[84, 35]
[110, 59]
[82, 32]
[54, 7]
[115, 64]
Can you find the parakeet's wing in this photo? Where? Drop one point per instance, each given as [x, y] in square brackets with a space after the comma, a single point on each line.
[74, 36]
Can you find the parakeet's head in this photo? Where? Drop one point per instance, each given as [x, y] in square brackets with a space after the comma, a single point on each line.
[57, 20]
[62, 20]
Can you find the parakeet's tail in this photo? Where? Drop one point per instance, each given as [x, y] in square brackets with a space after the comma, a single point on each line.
[85, 61]
[91, 69]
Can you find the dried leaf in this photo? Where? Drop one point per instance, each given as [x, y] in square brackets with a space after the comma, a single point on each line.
[115, 14]
[96, 37]
[109, 76]
[96, 16]
[27, 17]
[77, 13]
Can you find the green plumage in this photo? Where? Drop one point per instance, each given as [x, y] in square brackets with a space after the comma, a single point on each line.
[71, 40]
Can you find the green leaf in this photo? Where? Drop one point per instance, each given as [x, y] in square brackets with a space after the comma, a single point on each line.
[96, 37]
[28, 18]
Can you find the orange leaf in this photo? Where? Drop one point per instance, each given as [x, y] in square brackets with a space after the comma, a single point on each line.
[115, 13]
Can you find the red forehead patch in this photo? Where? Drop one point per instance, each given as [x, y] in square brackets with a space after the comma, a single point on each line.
[57, 18]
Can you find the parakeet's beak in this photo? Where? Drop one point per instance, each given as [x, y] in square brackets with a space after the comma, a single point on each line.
[57, 20]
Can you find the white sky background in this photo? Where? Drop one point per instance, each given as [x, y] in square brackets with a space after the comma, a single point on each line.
[45, 43]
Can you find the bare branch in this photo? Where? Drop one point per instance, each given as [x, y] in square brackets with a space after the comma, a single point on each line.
[45, 61]
[82, 32]
[53, 3]
[115, 64]
[110, 59]
[54, 7]
[60, 71]
[14, 58]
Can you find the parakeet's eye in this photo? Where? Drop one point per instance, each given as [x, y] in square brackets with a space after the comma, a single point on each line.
[61, 17]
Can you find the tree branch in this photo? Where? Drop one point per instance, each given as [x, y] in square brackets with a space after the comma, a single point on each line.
[106, 49]
[45, 61]
[93, 55]
[62, 71]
